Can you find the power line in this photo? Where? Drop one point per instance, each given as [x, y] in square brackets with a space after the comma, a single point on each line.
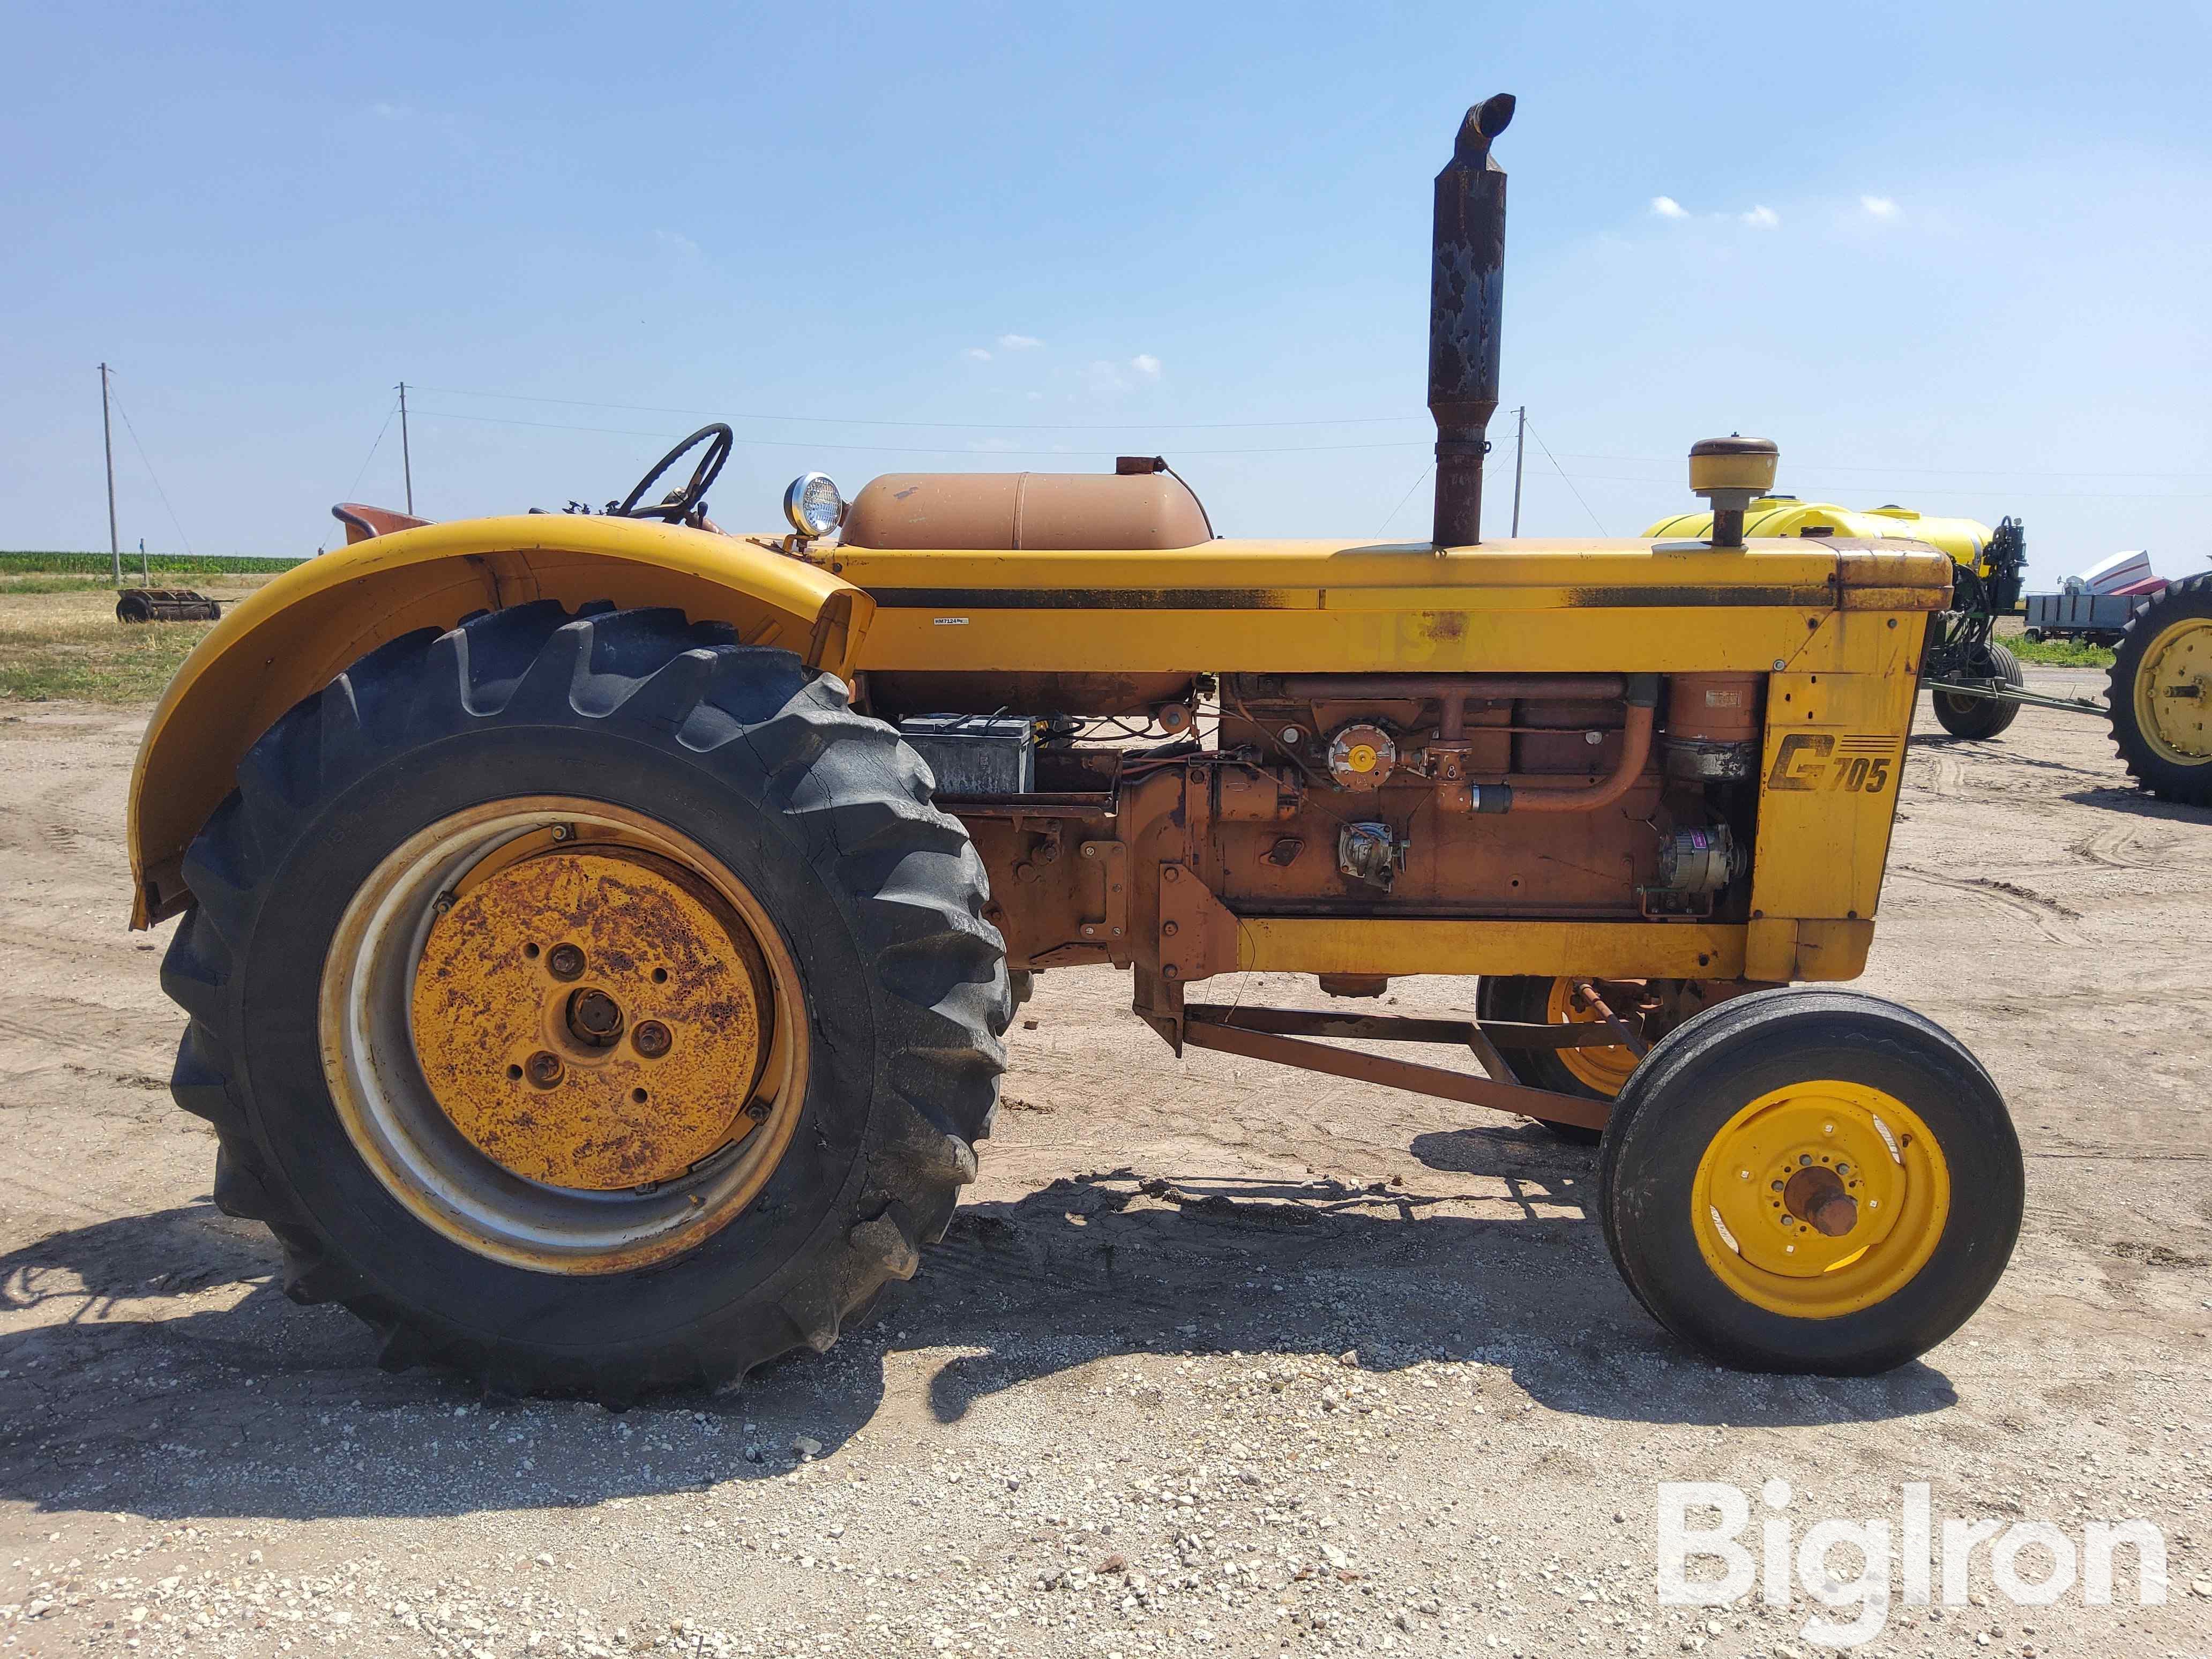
[899, 449]
[950, 426]
[1999, 495]
[1570, 478]
[353, 489]
[1408, 496]
[1211, 426]
[1931, 471]
[1561, 471]
[150, 473]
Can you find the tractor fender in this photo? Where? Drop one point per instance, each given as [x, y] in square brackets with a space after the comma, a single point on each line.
[294, 636]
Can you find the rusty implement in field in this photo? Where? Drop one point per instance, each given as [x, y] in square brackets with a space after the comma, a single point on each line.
[146, 604]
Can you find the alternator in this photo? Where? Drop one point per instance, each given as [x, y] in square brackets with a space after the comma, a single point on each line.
[1699, 858]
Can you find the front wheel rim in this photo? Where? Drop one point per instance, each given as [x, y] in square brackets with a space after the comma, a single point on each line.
[1757, 1204]
[427, 981]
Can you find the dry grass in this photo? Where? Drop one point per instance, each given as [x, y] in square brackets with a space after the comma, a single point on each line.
[59, 639]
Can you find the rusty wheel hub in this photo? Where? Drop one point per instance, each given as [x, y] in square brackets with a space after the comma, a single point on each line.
[1815, 1196]
[591, 1018]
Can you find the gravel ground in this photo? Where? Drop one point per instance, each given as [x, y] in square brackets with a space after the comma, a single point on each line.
[1216, 1356]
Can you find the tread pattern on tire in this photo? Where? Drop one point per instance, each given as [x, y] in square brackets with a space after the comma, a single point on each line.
[849, 789]
[2186, 786]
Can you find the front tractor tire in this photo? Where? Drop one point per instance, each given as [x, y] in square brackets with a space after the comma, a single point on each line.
[589, 1003]
[2160, 693]
[1811, 1181]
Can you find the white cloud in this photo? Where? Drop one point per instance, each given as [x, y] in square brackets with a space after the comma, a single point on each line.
[1020, 342]
[1880, 206]
[675, 242]
[1762, 218]
[1104, 375]
[1667, 208]
[391, 112]
[978, 353]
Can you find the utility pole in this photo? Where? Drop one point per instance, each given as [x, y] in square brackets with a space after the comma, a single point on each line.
[1520, 443]
[145, 571]
[107, 439]
[406, 459]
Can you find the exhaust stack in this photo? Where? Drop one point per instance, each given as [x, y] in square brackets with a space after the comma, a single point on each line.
[1466, 295]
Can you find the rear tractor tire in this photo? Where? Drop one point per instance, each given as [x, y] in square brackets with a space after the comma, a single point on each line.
[2160, 693]
[1810, 1181]
[1593, 1073]
[1976, 717]
[589, 1003]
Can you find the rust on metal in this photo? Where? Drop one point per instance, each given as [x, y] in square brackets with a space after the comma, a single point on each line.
[1409, 1028]
[1815, 1196]
[1467, 275]
[1543, 795]
[1235, 1031]
[529, 983]
[1627, 1036]
[1467, 688]
[146, 604]
[364, 523]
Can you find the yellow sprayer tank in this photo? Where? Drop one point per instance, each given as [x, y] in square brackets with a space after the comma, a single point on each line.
[1964, 539]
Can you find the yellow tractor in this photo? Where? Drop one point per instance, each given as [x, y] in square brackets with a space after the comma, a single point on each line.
[597, 930]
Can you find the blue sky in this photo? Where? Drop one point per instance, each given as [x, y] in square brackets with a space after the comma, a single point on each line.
[1950, 256]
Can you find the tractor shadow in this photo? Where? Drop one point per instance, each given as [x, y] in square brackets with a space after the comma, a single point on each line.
[2118, 797]
[150, 1364]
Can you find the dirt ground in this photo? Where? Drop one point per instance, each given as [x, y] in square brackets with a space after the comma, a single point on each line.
[1389, 1395]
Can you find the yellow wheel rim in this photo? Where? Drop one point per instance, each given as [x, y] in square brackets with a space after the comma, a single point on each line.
[2173, 692]
[509, 1116]
[1820, 1198]
[1605, 1070]
[590, 1014]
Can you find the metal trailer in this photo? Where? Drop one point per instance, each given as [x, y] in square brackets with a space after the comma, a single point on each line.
[2093, 618]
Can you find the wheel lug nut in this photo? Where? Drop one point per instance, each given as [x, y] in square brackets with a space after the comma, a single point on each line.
[651, 1039]
[564, 962]
[542, 1069]
[757, 1111]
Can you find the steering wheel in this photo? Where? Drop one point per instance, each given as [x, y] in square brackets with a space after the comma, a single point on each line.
[680, 504]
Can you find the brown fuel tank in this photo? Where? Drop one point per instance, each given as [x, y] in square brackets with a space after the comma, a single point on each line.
[1144, 508]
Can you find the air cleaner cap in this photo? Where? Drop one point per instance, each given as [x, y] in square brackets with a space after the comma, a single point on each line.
[1732, 463]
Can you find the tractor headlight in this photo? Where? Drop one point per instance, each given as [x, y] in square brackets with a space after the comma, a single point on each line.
[813, 505]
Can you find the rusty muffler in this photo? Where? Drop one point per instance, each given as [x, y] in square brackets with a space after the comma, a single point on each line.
[1467, 275]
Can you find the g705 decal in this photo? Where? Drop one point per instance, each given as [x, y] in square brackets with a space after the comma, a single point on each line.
[1852, 763]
